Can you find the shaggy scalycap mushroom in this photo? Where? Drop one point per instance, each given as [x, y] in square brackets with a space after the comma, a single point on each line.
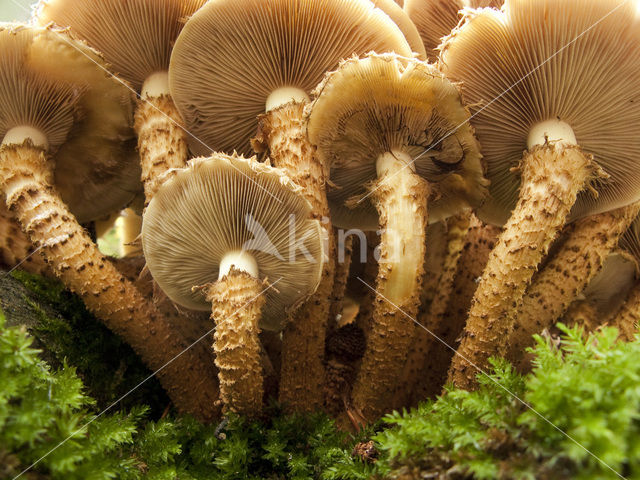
[262, 53]
[229, 227]
[371, 119]
[136, 37]
[384, 103]
[66, 121]
[559, 87]
[267, 56]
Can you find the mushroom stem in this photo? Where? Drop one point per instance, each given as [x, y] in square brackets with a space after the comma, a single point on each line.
[26, 178]
[479, 243]
[552, 177]
[162, 142]
[282, 132]
[584, 314]
[343, 266]
[431, 317]
[401, 200]
[572, 267]
[284, 95]
[627, 319]
[236, 306]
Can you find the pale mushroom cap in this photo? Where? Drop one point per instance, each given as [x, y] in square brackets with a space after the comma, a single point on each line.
[609, 288]
[254, 47]
[385, 103]
[61, 88]
[408, 28]
[434, 19]
[223, 204]
[135, 36]
[576, 61]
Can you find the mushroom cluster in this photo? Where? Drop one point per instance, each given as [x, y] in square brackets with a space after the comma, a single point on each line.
[369, 198]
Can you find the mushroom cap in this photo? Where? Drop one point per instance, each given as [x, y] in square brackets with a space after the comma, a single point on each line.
[382, 103]
[609, 288]
[254, 47]
[577, 61]
[135, 36]
[434, 20]
[402, 20]
[226, 203]
[62, 88]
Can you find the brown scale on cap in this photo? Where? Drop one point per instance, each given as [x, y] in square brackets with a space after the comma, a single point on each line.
[267, 56]
[557, 87]
[136, 37]
[396, 132]
[576, 262]
[218, 235]
[60, 108]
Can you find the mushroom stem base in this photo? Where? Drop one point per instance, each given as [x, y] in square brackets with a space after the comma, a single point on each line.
[401, 200]
[552, 177]
[282, 133]
[26, 179]
[573, 266]
[162, 142]
[236, 306]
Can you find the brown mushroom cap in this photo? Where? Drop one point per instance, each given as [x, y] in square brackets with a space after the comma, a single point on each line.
[533, 62]
[227, 204]
[61, 89]
[135, 36]
[434, 19]
[382, 103]
[255, 47]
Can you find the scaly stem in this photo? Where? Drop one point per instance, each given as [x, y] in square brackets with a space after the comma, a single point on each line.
[627, 319]
[26, 178]
[282, 133]
[584, 314]
[162, 142]
[475, 254]
[431, 317]
[236, 306]
[401, 200]
[580, 257]
[552, 177]
[15, 246]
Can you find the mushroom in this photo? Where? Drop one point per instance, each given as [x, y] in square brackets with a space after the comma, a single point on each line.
[267, 55]
[234, 236]
[64, 121]
[395, 135]
[435, 19]
[578, 258]
[135, 37]
[559, 87]
[404, 23]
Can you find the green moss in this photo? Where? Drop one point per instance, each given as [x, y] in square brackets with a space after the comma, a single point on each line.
[47, 419]
[584, 420]
[107, 365]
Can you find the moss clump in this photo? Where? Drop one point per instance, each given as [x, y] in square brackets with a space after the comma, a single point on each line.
[108, 367]
[587, 388]
[47, 419]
